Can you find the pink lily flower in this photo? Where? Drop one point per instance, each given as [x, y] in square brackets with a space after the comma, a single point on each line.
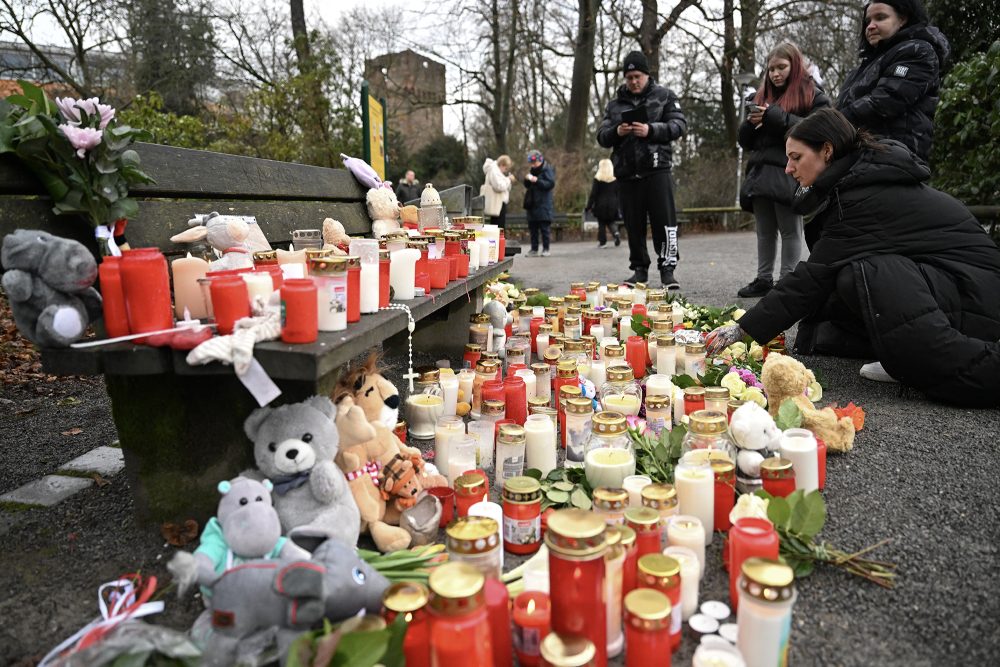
[82, 138]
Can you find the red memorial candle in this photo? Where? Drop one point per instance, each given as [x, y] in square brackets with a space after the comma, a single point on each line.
[409, 599]
[438, 270]
[516, 398]
[452, 267]
[694, 399]
[460, 628]
[498, 613]
[470, 488]
[631, 565]
[522, 515]
[645, 521]
[502, 249]
[493, 390]
[230, 302]
[353, 289]
[647, 618]
[725, 492]
[663, 573]
[383, 282]
[532, 622]
[821, 462]
[145, 283]
[635, 355]
[299, 318]
[749, 538]
[423, 280]
[113, 297]
[576, 543]
[778, 476]
[446, 496]
[463, 265]
[533, 326]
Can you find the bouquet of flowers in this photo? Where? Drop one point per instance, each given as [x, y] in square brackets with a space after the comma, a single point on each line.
[502, 292]
[81, 155]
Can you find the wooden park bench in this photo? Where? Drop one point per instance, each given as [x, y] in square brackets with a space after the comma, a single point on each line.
[181, 427]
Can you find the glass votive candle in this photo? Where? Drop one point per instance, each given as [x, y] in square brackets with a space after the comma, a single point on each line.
[694, 399]
[532, 623]
[778, 476]
[611, 504]
[446, 495]
[634, 484]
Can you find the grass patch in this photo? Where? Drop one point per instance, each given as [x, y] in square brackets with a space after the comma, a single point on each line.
[83, 474]
[11, 507]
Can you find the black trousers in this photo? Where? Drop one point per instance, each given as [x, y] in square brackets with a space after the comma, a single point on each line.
[500, 219]
[602, 230]
[537, 227]
[650, 198]
[838, 327]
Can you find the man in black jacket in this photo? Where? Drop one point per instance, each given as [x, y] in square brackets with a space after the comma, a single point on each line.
[642, 157]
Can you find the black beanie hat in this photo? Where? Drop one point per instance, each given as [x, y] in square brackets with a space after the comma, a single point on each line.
[636, 61]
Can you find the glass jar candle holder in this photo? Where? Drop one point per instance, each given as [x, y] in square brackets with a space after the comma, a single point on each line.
[621, 393]
[658, 414]
[510, 453]
[666, 355]
[476, 541]
[694, 359]
[717, 400]
[572, 327]
[518, 350]
[764, 619]
[708, 431]
[777, 476]
[485, 441]
[576, 542]
[330, 275]
[662, 498]
[479, 330]
[725, 492]
[485, 370]
[460, 629]
[611, 504]
[646, 524]
[446, 428]
[522, 515]
[687, 531]
[690, 578]
[663, 573]
[695, 484]
[749, 537]
[409, 599]
[647, 628]
[461, 455]
[540, 443]
[422, 414]
[608, 459]
[579, 425]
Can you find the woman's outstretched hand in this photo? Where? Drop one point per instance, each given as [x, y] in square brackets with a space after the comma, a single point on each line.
[721, 338]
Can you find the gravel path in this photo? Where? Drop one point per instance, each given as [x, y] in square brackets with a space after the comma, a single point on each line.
[920, 475]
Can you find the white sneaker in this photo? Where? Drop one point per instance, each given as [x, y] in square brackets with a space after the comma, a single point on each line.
[874, 371]
[531, 253]
[545, 253]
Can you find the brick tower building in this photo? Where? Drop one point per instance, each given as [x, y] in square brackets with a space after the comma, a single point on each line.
[414, 90]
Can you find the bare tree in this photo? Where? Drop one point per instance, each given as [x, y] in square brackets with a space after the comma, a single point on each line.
[583, 72]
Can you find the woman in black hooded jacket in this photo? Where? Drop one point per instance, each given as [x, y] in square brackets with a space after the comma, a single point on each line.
[903, 263]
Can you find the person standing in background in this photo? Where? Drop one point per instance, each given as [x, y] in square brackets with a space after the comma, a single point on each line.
[496, 189]
[408, 188]
[539, 206]
[640, 124]
[604, 203]
[788, 94]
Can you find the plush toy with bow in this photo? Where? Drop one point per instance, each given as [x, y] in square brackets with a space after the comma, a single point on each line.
[226, 233]
[383, 207]
[400, 481]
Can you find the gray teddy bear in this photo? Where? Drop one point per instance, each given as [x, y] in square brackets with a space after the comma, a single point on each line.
[294, 447]
[49, 281]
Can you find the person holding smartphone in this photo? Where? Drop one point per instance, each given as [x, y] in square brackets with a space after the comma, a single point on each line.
[788, 94]
[640, 124]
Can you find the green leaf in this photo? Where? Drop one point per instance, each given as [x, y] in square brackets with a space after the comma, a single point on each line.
[533, 473]
[779, 512]
[580, 499]
[808, 516]
[394, 656]
[361, 649]
[556, 475]
[37, 96]
[557, 497]
[795, 497]
[685, 381]
[789, 415]
[563, 486]
[802, 568]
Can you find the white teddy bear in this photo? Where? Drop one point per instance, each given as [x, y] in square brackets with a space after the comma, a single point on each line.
[383, 208]
[756, 435]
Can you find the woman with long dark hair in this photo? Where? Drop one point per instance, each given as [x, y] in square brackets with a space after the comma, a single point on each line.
[902, 272]
[787, 95]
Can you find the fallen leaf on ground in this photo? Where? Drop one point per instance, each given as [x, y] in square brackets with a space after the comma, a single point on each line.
[73, 431]
[179, 535]
[69, 400]
[100, 481]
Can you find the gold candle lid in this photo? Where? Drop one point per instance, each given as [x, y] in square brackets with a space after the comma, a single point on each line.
[609, 423]
[545, 328]
[647, 609]
[383, 255]
[614, 351]
[571, 299]
[592, 285]
[567, 650]
[776, 467]
[613, 538]
[657, 402]
[620, 374]
[575, 345]
[707, 422]
[538, 402]
[353, 262]
[612, 287]
[530, 291]
[695, 348]
[473, 347]
[551, 311]
[557, 300]
[316, 253]
[571, 321]
[491, 356]
[511, 433]
[610, 499]
[470, 535]
[404, 597]
[640, 286]
[659, 496]
[479, 318]
[525, 310]
[569, 392]
[494, 408]
[452, 236]
[723, 468]
[628, 535]
[717, 393]
[655, 295]
[487, 366]
[428, 374]
[552, 352]
[470, 483]
[642, 519]
[579, 406]
[522, 490]
[417, 244]
[575, 533]
[576, 286]
[665, 340]
[566, 369]
[265, 256]
[327, 265]
[694, 391]
[659, 566]
[457, 588]
[767, 580]
[592, 314]
[540, 367]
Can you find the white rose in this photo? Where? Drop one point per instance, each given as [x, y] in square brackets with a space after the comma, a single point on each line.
[749, 506]
[738, 313]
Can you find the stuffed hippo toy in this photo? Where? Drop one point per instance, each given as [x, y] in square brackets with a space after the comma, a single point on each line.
[294, 447]
[335, 584]
[226, 233]
[756, 436]
[383, 208]
[245, 527]
[49, 282]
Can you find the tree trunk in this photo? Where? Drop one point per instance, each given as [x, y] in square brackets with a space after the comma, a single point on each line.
[649, 39]
[727, 90]
[583, 73]
[315, 108]
[300, 36]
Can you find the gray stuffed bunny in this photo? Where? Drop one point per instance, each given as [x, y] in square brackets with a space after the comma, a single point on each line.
[294, 447]
[49, 282]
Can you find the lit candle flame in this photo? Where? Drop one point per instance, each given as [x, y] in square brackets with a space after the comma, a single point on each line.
[531, 607]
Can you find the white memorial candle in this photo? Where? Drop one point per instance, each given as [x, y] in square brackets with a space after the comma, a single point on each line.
[490, 510]
[677, 314]
[258, 284]
[466, 377]
[602, 291]
[659, 385]
[367, 250]
[608, 466]
[447, 427]
[484, 431]
[625, 328]
[187, 292]
[484, 252]
[687, 531]
[422, 413]
[695, 483]
[798, 445]
[449, 391]
[528, 376]
[634, 484]
[540, 443]
[402, 272]
[604, 344]
[461, 456]
[690, 577]
[598, 373]
[597, 331]
[541, 342]
[666, 358]
[678, 404]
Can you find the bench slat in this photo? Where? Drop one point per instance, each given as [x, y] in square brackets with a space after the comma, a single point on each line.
[159, 219]
[187, 173]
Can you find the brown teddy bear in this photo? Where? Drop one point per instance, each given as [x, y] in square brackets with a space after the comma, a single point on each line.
[401, 482]
[786, 378]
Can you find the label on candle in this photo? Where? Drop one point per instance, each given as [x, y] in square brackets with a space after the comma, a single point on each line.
[522, 531]
[513, 466]
[527, 640]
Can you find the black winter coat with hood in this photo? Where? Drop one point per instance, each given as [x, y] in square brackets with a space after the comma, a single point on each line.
[895, 89]
[635, 157]
[765, 173]
[926, 275]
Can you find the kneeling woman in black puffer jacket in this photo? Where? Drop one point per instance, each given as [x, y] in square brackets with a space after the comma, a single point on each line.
[906, 264]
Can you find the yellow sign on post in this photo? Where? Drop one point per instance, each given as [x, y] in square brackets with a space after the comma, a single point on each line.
[373, 122]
